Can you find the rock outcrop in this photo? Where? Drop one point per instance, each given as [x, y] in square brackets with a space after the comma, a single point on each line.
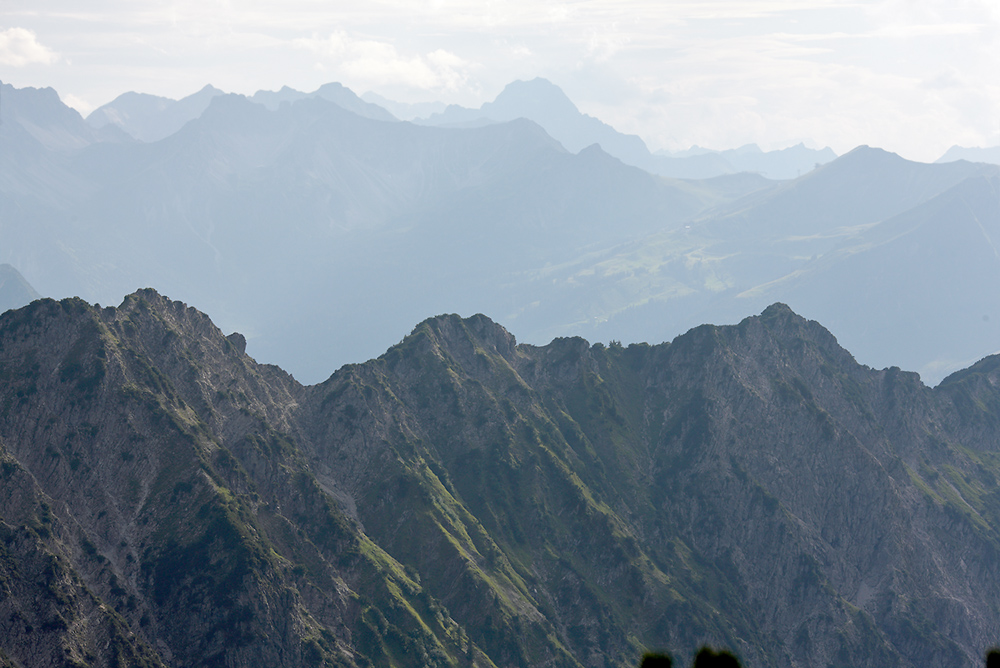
[464, 500]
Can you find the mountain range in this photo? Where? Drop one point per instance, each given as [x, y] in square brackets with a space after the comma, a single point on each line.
[326, 217]
[322, 233]
[151, 118]
[888, 252]
[464, 500]
[545, 103]
[990, 155]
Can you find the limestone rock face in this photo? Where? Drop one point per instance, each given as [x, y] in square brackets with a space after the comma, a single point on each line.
[464, 500]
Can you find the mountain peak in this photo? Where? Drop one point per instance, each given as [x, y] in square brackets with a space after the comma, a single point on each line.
[208, 89]
[782, 321]
[451, 336]
[170, 313]
[150, 118]
[870, 153]
[333, 91]
[778, 310]
[330, 87]
[537, 89]
[452, 328]
[536, 99]
[150, 298]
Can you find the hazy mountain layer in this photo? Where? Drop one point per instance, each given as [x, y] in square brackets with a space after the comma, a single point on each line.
[786, 163]
[545, 103]
[463, 500]
[403, 110]
[150, 117]
[322, 234]
[15, 292]
[39, 114]
[890, 252]
[989, 154]
[332, 92]
[289, 223]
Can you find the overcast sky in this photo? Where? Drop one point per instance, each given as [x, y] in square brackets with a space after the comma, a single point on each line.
[911, 76]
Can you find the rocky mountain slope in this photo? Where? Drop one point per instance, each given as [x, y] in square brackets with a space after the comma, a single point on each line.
[464, 500]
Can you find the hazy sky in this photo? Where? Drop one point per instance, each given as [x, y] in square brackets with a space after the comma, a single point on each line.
[913, 77]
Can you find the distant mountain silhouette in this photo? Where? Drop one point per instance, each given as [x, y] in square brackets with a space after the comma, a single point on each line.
[913, 272]
[333, 92]
[546, 104]
[990, 155]
[892, 253]
[786, 163]
[861, 187]
[404, 110]
[151, 118]
[330, 218]
[38, 113]
[321, 234]
[15, 292]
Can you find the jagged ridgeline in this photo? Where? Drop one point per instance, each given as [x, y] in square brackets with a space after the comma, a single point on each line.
[466, 501]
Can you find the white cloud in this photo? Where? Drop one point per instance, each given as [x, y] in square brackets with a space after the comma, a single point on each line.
[20, 47]
[515, 49]
[77, 103]
[603, 45]
[380, 64]
[945, 78]
[928, 30]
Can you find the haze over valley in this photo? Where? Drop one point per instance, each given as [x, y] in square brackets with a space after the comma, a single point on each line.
[322, 227]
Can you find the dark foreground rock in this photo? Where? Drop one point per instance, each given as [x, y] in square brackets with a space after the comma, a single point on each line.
[463, 500]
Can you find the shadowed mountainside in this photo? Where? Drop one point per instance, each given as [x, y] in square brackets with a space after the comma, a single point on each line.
[464, 500]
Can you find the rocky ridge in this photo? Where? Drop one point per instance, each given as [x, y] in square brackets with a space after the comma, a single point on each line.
[465, 500]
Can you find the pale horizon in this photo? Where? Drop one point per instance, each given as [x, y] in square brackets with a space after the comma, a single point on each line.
[914, 79]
